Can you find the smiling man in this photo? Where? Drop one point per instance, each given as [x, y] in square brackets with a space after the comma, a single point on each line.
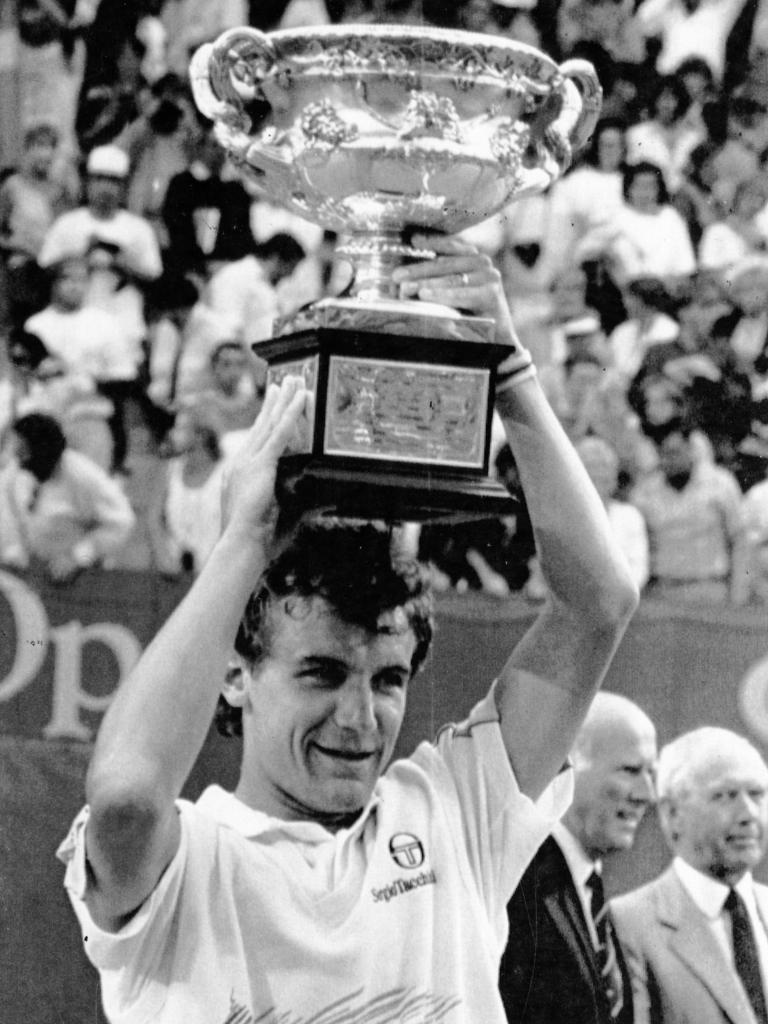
[563, 962]
[696, 937]
[332, 885]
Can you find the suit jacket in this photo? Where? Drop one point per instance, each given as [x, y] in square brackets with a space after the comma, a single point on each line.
[549, 972]
[679, 974]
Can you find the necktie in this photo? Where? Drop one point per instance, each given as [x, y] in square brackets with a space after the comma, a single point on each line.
[608, 964]
[745, 954]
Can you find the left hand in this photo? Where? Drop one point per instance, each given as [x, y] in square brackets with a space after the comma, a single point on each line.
[458, 276]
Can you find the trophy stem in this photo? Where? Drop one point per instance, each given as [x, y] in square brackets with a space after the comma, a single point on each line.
[374, 255]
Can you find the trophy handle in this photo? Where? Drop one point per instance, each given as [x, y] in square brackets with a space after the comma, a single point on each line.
[226, 76]
[580, 108]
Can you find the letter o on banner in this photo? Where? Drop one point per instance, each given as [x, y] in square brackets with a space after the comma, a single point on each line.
[753, 698]
[31, 634]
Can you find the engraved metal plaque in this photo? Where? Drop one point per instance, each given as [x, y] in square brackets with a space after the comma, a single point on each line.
[406, 412]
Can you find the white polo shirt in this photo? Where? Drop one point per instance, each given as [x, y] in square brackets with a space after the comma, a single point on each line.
[400, 917]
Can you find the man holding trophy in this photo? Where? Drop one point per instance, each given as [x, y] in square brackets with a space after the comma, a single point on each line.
[332, 885]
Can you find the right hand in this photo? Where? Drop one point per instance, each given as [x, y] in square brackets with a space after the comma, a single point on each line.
[249, 503]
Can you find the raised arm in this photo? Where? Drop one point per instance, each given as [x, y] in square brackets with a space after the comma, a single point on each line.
[552, 674]
[157, 723]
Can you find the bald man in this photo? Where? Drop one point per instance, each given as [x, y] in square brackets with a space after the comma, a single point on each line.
[563, 962]
[696, 937]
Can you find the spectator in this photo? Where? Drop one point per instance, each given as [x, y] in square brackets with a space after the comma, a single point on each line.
[38, 382]
[589, 196]
[158, 143]
[562, 961]
[689, 28]
[699, 199]
[746, 324]
[692, 510]
[602, 463]
[254, 291]
[648, 305]
[693, 934]
[185, 519]
[57, 507]
[233, 399]
[206, 211]
[648, 237]
[741, 233]
[189, 23]
[52, 61]
[666, 139]
[751, 569]
[105, 220]
[610, 23]
[183, 333]
[91, 343]
[34, 195]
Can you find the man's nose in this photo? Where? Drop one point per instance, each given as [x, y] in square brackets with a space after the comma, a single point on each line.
[748, 808]
[643, 788]
[354, 706]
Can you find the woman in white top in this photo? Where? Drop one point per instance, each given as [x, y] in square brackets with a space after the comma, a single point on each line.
[589, 196]
[666, 139]
[742, 232]
[648, 238]
[185, 517]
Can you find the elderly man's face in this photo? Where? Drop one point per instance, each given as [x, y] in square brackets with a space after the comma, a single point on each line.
[720, 824]
[614, 787]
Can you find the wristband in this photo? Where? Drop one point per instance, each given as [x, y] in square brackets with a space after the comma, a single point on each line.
[513, 379]
[514, 369]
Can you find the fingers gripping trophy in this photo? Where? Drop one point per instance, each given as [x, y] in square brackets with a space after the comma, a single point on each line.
[394, 137]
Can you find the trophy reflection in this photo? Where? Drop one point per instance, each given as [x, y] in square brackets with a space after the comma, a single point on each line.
[377, 132]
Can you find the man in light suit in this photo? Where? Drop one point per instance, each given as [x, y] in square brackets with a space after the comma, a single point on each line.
[562, 964]
[696, 938]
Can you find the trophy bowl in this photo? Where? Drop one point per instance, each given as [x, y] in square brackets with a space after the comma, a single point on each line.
[373, 131]
[370, 130]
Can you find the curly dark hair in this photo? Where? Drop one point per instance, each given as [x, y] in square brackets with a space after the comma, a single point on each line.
[354, 569]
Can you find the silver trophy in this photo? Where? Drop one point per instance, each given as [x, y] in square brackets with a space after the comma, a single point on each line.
[374, 131]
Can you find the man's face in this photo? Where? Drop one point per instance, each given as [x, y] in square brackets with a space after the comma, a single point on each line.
[643, 193]
[721, 823]
[614, 788]
[71, 285]
[39, 157]
[323, 711]
[676, 456]
[228, 369]
[610, 149]
[104, 194]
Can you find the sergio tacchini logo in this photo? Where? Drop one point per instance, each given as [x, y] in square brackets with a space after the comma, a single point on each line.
[406, 850]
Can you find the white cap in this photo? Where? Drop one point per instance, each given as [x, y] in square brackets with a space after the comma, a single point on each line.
[108, 162]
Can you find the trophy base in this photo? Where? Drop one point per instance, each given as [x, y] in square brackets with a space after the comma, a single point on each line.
[399, 427]
[392, 496]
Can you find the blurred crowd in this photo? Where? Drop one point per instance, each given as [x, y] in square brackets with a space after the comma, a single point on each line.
[137, 269]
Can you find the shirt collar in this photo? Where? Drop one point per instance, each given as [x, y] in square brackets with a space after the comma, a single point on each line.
[579, 863]
[229, 811]
[708, 893]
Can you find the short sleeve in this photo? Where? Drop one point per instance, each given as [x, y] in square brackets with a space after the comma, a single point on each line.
[501, 826]
[141, 939]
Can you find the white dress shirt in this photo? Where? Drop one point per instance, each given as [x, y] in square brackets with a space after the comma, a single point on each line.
[581, 867]
[709, 895]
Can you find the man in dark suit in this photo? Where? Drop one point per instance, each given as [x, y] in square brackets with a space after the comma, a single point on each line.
[562, 964]
[696, 937]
